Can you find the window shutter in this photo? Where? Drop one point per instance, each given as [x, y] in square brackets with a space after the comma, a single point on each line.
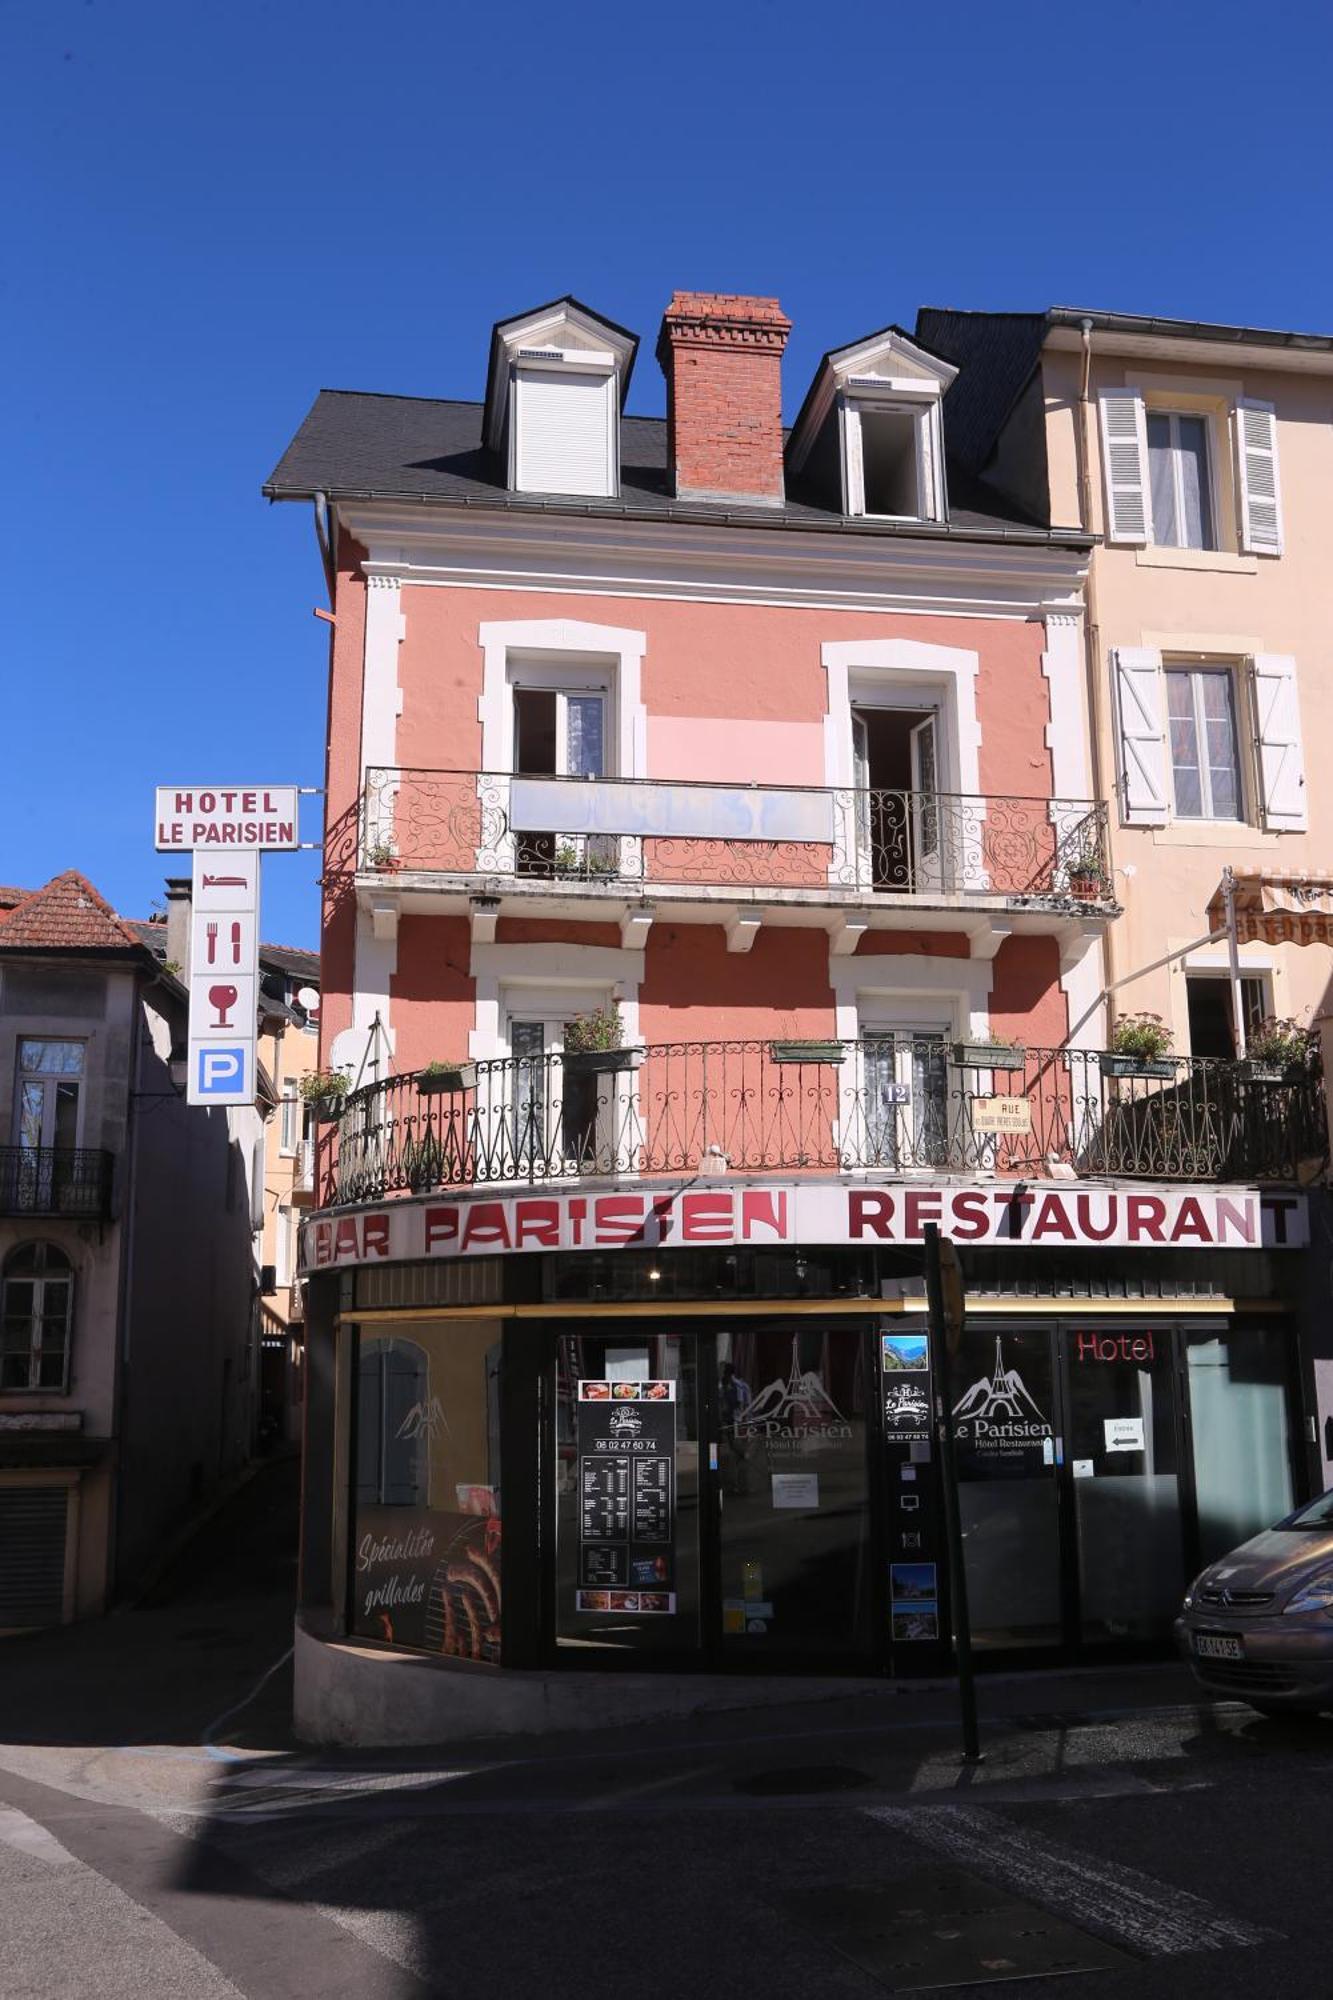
[564, 424]
[853, 474]
[1256, 468]
[1138, 686]
[1125, 465]
[1281, 757]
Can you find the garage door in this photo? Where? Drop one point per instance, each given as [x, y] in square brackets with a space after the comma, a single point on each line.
[32, 1554]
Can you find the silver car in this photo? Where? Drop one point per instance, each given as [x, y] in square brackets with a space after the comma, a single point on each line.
[1259, 1623]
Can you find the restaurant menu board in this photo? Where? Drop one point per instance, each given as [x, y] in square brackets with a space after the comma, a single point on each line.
[627, 1497]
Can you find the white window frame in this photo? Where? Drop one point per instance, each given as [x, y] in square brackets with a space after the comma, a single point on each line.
[52, 1077]
[1173, 415]
[1239, 715]
[618, 1089]
[1220, 975]
[289, 1131]
[39, 1284]
[924, 411]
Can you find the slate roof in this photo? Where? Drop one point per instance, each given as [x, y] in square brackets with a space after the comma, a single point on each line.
[995, 355]
[66, 915]
[355, 445]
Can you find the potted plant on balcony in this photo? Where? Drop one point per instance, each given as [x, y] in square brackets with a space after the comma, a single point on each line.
[1088, 880]
[595, 1043]
[1139, 1042]
[422, 1162]
[805, 1052]
[1278, 1051]
[380, 855]
[324, 1090]
[438, 1077]
[991, 1052]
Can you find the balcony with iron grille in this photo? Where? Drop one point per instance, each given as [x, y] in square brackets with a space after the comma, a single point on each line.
[50, 1181]
[897, 1104]
[630, 850]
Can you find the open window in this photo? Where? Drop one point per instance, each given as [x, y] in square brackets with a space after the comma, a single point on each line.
[1211, 1020]
[899, 811]
[562, 733]
[563, 1114]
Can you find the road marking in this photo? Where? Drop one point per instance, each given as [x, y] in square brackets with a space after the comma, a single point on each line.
[29, 1836]
[1104, 1896]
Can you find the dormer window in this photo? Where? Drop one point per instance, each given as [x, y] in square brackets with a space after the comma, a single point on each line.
[873, 420]
[553, 400]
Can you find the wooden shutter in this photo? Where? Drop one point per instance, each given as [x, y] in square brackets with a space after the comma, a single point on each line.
[1125, 465]
[1281, 757]
[564, 432]
[1256, 472]
[32, 1555]
[1138, 690]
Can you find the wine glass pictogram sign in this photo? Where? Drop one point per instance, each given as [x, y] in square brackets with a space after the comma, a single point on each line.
[222, 997]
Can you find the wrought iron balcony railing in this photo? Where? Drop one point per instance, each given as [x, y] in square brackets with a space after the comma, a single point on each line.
[894, 1102]
[56, 1180]
[646, 834]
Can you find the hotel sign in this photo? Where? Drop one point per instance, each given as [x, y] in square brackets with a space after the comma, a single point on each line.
[221, 817]
[766, 1214]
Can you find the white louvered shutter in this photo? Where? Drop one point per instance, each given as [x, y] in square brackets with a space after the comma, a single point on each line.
[1256, 470]
[1138, 689]
[1281, 756]
[1125, 465]
[564, 432]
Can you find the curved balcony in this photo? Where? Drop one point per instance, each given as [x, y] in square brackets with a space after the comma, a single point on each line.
[890, 1104]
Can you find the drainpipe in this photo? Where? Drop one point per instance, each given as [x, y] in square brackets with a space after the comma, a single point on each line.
[1092, 643]
[1233, 959]
[324, 536]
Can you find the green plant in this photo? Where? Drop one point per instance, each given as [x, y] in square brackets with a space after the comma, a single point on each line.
[449, 1067]
[603, 1028]
[1279, 1041]
[173, 966]
[566, 857]
[322, 1083]
[1141, 1035]
[990, 1040]
[380, 854]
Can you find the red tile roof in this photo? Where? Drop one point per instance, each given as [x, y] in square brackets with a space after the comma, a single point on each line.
[9, 895]
[67, 914]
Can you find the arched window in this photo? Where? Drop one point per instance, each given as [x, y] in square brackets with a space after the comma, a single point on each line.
[36, 1317]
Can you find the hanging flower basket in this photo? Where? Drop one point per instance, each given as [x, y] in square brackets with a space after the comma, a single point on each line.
[601, 1062]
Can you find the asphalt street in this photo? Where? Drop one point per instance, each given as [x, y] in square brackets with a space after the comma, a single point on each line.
[161, 1833]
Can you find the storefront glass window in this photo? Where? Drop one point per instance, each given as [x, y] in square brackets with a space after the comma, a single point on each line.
[1003, 1389]
[425, 1557]
[1242, 1451]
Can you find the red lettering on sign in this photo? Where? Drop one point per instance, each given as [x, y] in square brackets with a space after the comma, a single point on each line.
[323, 1241]
[249, 802]
[1052, 1220]
[538, 1220]
[207, 802]
[487, 1224]
[1191, 1221]
[706, 1218]
[761, 1210]
[345, 1240]
[868, 1213]
[1090, 1231]
[374, 1236]
[575, 1213]
[441, 1227]
[1144, 1216]
[922, 1205]
[618, 1218]
[969, 1216]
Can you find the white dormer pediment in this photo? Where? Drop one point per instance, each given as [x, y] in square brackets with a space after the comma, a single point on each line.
[554, 344]
[883, 364]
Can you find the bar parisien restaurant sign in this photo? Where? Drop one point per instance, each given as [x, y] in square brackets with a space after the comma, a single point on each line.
[760, 1215]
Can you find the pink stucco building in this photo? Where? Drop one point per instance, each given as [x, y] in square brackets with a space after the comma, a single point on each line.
[715, 894]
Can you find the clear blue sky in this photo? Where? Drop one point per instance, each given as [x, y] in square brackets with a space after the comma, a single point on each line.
[213, 210]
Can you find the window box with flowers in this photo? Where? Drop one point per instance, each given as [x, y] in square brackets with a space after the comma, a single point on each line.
[438, 1078]
[1277, 1051]
[594, 1044]
[1140, 1046]
[324, 1090]
[992, 1053]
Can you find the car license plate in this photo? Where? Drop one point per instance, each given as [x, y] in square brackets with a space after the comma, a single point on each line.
[1215, 1646]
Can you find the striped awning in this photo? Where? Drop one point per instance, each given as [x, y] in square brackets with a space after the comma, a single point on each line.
[1277, 906]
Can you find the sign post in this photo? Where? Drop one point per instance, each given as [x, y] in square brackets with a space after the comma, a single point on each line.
[945, 1306]
[225, 829]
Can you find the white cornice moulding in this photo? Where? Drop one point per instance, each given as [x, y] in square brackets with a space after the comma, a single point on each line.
[712, 563]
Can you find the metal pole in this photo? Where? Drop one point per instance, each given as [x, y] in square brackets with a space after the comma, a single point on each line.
[1233, 958]
[940, 1379]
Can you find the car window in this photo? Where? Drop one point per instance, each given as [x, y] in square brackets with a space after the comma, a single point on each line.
[1319, 1514]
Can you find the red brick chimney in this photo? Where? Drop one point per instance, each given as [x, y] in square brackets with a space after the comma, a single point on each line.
[722, 358]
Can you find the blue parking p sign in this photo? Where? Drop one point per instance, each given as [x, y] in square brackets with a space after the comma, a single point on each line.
[220, 1072]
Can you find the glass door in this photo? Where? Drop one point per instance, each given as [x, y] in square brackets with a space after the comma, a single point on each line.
[1241, 1433]
[792, 1492]
[927, 854]
[1122, 1449]
[1003, 1386]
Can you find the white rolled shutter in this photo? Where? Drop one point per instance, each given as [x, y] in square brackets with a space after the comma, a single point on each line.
[1125, 465]
[1257, 474]
[564, 434]
[1138, 689]
[1281, 756]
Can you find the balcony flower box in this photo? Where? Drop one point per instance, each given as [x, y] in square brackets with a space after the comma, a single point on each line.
[1258, 1069]
[601, 1062]
[1088, 885]
[1123, 1065]
[438, 1078]
[989, 1055]
[805, 1052]
[325, 1091]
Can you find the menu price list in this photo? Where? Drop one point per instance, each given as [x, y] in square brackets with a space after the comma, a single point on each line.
[627, 1485]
